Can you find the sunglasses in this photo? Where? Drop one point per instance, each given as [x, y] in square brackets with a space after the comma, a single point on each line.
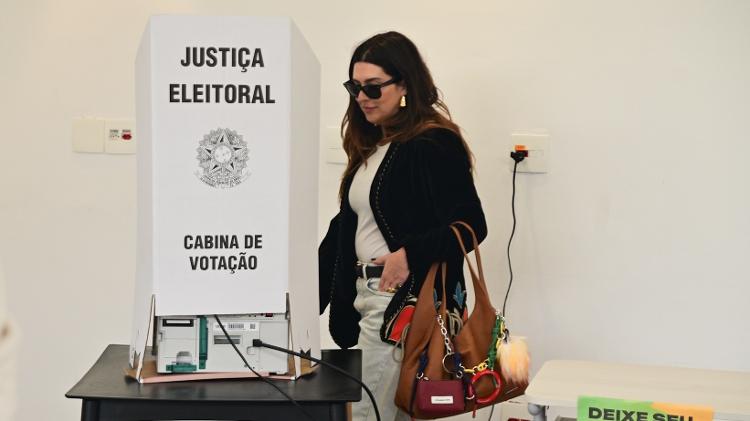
[372, 91]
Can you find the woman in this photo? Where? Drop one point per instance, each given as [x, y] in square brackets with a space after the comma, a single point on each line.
[409, 175]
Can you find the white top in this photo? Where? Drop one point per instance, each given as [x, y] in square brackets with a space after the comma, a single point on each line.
[368, 241]
[560, 383]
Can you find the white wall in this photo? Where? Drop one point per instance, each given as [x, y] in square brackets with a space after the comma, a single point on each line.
[633, 248]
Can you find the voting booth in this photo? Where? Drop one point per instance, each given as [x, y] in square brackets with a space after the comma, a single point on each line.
[227, 112]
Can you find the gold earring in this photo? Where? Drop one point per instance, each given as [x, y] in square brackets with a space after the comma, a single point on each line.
[402, 104]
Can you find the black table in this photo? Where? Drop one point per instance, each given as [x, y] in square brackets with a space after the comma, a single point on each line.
[108, 395]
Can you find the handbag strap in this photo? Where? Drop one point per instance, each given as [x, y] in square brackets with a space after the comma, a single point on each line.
[475, 244]
[481, 295]
[423, 319]
[443, 303]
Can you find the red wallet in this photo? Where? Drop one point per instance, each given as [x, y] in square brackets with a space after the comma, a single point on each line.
[440, 398]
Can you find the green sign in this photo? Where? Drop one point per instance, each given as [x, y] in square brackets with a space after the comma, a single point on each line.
[607, 409]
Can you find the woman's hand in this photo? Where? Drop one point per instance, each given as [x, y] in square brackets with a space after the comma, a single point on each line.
[395, 270]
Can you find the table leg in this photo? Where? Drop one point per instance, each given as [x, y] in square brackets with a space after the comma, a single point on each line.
[340, 412]
[538, 411]
[89, 410]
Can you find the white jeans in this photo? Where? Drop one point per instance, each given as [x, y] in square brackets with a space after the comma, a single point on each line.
[379, 369]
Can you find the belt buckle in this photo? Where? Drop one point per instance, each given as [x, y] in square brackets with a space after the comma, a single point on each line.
[363, 266]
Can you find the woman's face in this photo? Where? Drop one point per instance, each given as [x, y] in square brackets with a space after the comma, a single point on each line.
[377, 110]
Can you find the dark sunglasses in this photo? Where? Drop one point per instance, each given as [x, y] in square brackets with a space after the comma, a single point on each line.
[372, 91]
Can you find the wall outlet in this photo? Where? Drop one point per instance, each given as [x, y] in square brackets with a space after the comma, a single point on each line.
[97, 135]
[537, 145]
[119, 136]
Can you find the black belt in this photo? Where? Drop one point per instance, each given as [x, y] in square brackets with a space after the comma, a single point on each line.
[365, 271]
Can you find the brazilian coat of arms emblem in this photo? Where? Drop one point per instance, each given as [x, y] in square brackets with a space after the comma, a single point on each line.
[222, 159]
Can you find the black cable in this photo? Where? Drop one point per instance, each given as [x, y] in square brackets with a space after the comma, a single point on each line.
[512, 232]
[517, 157]
[291, 399]
[258, 342]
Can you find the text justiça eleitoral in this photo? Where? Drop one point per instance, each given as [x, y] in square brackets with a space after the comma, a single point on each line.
[216, 93]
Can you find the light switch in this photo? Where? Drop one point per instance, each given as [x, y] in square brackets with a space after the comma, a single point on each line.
[87, 135]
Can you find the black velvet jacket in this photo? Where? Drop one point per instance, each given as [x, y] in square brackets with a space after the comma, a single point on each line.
[421, 186]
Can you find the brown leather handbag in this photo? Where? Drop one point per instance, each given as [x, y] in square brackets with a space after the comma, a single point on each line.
[470, 357]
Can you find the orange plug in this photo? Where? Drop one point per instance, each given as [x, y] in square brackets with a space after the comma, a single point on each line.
[520, 152]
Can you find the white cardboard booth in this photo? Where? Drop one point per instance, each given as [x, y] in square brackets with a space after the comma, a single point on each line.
[227, 111]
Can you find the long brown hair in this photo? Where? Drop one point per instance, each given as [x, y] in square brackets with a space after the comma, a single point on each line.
[399, 58]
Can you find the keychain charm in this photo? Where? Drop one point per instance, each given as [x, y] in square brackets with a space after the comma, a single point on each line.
[497, 381]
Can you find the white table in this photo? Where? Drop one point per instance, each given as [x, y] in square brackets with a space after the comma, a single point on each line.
[559, 383]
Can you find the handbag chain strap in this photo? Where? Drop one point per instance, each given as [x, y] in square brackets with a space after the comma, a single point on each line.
[499, 334]
[444, 332]
[458, 368]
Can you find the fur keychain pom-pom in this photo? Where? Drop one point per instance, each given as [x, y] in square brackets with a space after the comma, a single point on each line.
[515, 360]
